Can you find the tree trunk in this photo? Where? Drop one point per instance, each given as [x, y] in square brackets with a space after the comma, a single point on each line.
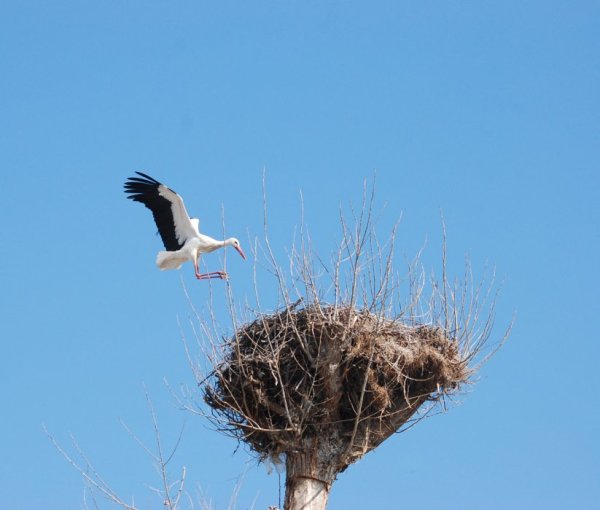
[308, 480]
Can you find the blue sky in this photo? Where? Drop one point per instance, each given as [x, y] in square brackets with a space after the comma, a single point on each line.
[487, 111]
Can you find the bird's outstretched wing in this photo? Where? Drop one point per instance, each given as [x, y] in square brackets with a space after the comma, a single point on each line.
[171, 218]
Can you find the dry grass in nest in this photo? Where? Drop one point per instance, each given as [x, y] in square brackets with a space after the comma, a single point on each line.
[324, 371]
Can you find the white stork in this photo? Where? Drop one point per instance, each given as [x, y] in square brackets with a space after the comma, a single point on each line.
[180, 235]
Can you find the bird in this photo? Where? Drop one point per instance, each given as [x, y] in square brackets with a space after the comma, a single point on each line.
[180, 234]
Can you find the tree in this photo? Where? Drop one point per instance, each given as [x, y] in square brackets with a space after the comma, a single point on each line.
[338, 367]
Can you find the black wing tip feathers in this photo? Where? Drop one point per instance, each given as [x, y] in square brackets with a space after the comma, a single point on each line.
[146, 179]
[146, 176]
[136, 187]
[145, 189]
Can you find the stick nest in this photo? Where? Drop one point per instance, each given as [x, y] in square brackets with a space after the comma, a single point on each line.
[336, 374]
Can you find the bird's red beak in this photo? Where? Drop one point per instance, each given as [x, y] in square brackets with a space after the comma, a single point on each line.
[239, 250]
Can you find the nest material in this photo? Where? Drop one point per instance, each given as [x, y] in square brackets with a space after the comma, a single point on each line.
[341, 375]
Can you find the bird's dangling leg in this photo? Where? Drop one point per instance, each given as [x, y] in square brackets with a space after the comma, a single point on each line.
[207, 276]
[216, 274]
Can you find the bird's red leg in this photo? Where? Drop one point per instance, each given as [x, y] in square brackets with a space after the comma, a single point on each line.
[207, 276]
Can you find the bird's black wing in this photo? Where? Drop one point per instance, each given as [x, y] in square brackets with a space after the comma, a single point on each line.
[167, 207]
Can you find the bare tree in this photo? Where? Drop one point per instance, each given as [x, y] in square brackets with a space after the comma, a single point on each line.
[352, 353]
[170, 492]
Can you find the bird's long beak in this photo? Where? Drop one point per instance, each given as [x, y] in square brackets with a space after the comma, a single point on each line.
[240, 251]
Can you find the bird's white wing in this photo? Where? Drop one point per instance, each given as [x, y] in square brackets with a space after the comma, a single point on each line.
[184, 225]
[196, 225]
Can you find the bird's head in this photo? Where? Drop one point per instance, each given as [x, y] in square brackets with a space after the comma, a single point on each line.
[232, 241]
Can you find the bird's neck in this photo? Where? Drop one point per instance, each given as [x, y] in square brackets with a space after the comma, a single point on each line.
[217, 243]
[211, 243]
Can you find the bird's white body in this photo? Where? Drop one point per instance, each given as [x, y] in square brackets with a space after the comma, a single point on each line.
[180, 233]
[192, 250]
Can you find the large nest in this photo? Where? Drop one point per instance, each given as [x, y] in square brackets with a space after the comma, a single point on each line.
[336, 374]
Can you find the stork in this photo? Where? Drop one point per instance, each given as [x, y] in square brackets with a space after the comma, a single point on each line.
[179, 233]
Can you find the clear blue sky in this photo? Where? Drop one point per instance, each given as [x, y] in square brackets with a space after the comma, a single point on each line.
[488, 111]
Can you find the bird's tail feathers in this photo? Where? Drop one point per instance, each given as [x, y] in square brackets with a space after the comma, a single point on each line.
[169, 260]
